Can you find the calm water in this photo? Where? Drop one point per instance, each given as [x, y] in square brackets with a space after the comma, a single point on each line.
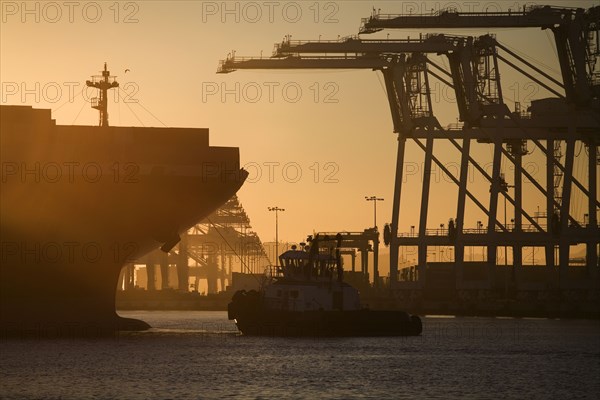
[197, 355]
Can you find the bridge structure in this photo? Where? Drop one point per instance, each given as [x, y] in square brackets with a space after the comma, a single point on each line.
[211, 251]
[555, 126]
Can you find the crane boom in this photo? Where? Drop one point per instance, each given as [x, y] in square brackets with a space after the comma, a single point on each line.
[233, 63]
[429, 44]
[530, 17]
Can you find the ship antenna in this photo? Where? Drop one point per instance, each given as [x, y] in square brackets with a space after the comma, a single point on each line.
[102, 83]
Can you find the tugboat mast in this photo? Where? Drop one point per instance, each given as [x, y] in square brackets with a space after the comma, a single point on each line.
[102, 83]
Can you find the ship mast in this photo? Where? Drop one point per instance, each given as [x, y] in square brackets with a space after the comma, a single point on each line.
[102, 83]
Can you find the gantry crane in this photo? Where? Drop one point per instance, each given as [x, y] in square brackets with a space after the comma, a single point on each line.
[474, 75]
[577, 39]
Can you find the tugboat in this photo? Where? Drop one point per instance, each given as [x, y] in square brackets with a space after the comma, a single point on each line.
[306, 296]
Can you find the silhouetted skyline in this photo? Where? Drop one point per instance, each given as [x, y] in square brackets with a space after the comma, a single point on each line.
[318, 153]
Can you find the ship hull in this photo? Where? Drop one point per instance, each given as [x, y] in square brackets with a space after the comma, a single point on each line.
[78, 203]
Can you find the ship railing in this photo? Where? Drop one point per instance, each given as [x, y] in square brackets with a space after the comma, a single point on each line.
[288, 42]
[428, 232]
[274, 271]
[458, 126]
[448, 11]
[237, 58]
[408, 234]
[100, 78]
[454, 11]
[510, 227]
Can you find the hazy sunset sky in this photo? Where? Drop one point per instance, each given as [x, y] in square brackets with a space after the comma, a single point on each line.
[337, 133]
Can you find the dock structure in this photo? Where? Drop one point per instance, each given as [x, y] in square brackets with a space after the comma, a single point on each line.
[364, 242]
[554, 127]
[211, 251]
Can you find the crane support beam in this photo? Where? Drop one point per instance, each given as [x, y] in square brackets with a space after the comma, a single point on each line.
[530, 65]
[532, 77]
[564, 170]
[489, 178]
[455, 180]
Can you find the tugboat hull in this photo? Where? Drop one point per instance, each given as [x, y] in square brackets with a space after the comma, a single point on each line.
[258, 321]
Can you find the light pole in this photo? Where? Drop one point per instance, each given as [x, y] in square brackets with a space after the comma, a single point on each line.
[276, 209]
[374, 199]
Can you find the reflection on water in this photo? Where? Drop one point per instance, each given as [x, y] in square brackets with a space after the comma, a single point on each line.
[201, 355]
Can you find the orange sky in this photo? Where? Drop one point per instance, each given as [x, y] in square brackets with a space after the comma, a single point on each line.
[314, 157]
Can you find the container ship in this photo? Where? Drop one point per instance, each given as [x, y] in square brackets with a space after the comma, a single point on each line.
[79, 202]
